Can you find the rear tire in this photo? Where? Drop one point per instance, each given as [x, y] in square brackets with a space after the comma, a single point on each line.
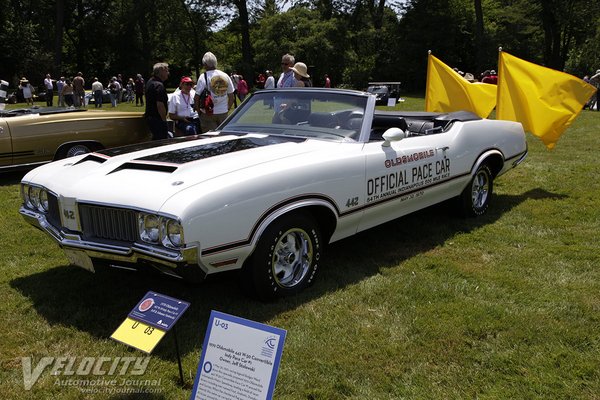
[286, 258]
[476, 197]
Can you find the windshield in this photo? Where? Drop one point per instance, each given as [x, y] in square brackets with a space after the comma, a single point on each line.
[334, 115]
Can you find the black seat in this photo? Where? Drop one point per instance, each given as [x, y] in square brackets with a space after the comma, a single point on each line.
[324, 120]
[383, 122]
[389, 121]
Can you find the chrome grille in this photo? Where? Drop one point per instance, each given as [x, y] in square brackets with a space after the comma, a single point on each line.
[108, 223]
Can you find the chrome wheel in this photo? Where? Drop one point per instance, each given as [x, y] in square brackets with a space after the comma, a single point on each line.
[286, 258]
[480, 189]
[292, 257]
[477, 195]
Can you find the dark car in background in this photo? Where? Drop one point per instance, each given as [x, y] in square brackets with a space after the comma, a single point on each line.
[382, 94]
[89, 97]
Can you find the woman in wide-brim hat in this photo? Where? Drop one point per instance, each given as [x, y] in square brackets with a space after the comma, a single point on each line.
[301, 75]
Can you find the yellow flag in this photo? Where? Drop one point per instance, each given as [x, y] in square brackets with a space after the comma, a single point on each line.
[448, 91]
[544, 100]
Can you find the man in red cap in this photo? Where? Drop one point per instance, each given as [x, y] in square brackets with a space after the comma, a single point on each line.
[181, 109]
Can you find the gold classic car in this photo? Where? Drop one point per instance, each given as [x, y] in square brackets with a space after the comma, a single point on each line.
[33, 136]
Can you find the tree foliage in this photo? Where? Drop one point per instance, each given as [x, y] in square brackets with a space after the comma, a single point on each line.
[353, 41]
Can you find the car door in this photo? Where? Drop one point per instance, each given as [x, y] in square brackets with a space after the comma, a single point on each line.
[6, 157]
[405, 176]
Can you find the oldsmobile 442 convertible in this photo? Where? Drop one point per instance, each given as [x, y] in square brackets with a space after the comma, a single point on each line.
[33, 136]
[288, 172]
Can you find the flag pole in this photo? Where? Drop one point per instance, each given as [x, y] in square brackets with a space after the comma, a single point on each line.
[427, 80]
[500, 79]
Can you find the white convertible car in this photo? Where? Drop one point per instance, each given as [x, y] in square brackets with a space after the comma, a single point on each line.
[290, 171]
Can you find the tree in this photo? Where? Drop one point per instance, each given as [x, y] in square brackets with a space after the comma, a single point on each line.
[247, 66]
[479, 35]
[353, 41]
[565, 24]
[321, 44]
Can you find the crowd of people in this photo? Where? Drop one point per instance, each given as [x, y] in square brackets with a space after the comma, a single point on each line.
[488, 76]
[185, 108]
[205, 105]
[70, 92]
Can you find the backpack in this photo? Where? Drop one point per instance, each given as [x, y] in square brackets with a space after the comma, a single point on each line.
[206, 102]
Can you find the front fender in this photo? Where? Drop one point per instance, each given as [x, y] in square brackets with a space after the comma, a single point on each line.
[279, 210]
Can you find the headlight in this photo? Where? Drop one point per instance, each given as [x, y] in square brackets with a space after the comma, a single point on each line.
[149, 228]
[43, 201]
[34, 196]
[173, 233]
[25, 195]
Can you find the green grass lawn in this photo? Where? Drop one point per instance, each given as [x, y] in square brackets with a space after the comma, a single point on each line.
[430, 306]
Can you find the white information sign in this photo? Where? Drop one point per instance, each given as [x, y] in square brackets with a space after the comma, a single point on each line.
[240, 360]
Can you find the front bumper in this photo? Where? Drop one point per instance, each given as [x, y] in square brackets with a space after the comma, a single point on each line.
[136, 253]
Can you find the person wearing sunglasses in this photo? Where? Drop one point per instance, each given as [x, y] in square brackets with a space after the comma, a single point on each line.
[286, 79]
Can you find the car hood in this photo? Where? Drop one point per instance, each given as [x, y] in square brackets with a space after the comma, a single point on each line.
[146, 175]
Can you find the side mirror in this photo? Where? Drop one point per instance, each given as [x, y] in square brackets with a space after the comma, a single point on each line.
[392, 135]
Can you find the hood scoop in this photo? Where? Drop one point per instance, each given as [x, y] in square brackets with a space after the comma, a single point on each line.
[92, 157]
[140, 166]
[208, 150]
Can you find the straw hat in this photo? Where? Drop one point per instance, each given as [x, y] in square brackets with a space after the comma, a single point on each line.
[301, 69]
[23, 79]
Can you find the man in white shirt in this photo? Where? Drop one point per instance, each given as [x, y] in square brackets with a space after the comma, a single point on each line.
[97, 89]
[49, 90]
[221, 90]
[270, 82]
[181, 109]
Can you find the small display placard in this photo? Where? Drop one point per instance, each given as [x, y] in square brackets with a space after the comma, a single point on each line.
[139, 335]
[240, 359]
[158, 310]
[149, 321]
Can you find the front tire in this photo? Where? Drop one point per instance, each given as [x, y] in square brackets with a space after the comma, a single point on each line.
[476, 197]
[286, 258]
